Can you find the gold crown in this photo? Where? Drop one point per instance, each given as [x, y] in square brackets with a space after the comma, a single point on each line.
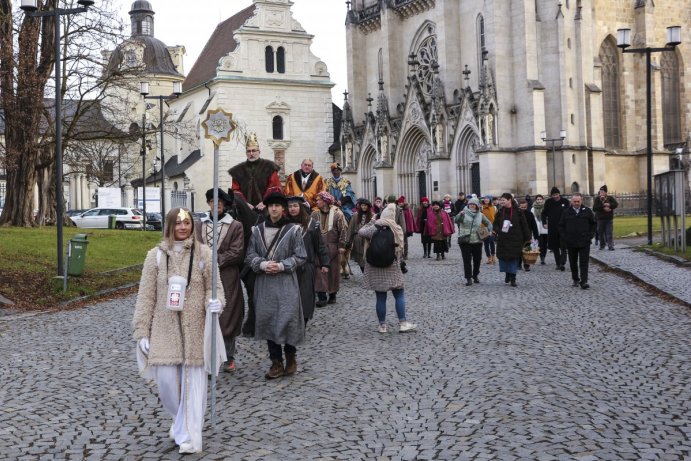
[251, 140]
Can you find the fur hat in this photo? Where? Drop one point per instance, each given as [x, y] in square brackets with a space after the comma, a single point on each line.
[228, 199]
[554, 191]
[276, 197]
[604, 188]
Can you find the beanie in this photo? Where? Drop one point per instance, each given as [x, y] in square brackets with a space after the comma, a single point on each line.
[604, 188]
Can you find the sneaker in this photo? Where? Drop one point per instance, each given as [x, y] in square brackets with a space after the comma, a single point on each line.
[382, 328]
[406, 326]
[229, 366]
[187, 447]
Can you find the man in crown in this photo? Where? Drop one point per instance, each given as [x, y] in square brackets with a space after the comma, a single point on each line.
[305, 183]
[255, 176]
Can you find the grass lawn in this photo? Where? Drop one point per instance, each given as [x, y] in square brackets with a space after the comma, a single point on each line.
[625, 226]
[28, 263]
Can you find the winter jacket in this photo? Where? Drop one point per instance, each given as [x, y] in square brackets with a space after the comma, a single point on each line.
[510, 244]
[175, 337]
[577, 229]
[551, 215]
[469, 223]
[604, 208]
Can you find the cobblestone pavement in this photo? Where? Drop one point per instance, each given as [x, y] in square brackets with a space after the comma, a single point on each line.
[539, 372]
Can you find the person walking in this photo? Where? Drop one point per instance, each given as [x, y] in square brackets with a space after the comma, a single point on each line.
[512, 232]
[577, 227]
[409, 221]
[334, 231]
[169, 322]
[604, 206]
[523, 205]
[275, 252]
[538, 207]
[440, 228]
[362, 216]
[469, 220]
[231, 254]
[317, 257]
[421, 227]
[551, 215]
[490, 211]
[383, 279]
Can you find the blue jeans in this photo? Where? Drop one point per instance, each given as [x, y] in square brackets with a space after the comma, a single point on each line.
[399, 296]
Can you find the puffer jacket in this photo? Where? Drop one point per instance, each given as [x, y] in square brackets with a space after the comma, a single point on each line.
[175, 337]
[468, 223]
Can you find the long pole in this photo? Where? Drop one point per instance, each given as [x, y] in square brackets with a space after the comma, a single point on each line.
[144, 166]
[649, 147]
[58, 142]
[163, 160]
[554, 165]
[214, 275]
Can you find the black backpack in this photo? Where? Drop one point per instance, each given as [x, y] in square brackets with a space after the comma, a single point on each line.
[382, 248]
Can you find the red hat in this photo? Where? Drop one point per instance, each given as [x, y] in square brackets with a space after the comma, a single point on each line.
[424, 199]
[401, 199]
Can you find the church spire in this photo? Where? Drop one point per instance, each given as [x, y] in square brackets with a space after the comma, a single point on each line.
[142, 18]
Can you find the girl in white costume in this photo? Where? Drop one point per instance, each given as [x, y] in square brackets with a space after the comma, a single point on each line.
[171, 343]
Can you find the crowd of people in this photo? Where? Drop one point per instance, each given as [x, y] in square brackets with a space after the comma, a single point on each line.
[291, 245]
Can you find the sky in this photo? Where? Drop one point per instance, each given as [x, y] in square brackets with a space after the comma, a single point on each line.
[190, 23]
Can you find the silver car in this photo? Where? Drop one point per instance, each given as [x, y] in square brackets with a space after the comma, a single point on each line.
[125, 218]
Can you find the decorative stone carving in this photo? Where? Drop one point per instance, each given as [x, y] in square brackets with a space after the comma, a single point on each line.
[275, 19]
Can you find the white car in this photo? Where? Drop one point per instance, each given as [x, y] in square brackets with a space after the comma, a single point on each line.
[125, 218]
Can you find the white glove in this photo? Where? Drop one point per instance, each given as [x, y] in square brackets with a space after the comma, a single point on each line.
[214, 306]
[144, 345]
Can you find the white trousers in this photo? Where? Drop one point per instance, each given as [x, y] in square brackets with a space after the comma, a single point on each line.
[182, 391]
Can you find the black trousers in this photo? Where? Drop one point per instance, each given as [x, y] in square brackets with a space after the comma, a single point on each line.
[578, 259]
[275, 351]
[250, 319]
[472, 257]
[560, 255]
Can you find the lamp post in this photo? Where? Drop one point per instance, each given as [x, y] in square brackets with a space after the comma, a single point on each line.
[624, 42]
[553, 147]
[144, 91]
[30, 9]
[144, 167]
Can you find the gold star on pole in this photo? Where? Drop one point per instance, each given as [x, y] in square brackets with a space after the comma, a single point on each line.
[218, 126]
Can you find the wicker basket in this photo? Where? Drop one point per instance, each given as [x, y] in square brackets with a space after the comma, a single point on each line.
[529, 255]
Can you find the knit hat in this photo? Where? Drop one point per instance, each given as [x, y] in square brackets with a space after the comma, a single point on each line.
[391, 199]
[224, 196]
[276, 197]
[389, 211]
[474, 201]
[401, 200]
[554, 191]
[424, 199]
[604, 188]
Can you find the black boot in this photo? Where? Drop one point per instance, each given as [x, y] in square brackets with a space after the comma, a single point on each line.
[507, 278]
[476, 280]
[468, 282]
[438, 256]
[513, 280]
[321, 302]
[332, 298]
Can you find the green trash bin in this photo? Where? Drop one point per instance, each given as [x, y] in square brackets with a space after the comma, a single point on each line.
[77, 254]
[112, 220]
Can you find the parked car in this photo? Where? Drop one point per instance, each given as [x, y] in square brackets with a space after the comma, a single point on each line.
[154, 221]
[71, 213]
[125, 218]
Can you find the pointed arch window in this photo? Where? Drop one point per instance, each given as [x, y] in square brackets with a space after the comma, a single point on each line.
[481, 43]
[269, 59]
[610, 94]
[277, 125]
[671, 105]
[281, 60]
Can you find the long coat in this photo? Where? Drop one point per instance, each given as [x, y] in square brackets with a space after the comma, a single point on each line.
[175, 337]
[315, 184]
[439, 230]
[510, 244]
[355, 241]
[380, 278]
[551, 215]
[231, 255]
[577, 229]
[335, 239]
[277, 303]
[317, 257]
[421, 220]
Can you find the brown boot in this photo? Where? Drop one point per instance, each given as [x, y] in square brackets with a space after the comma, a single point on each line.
[276, 370]
[291, 364]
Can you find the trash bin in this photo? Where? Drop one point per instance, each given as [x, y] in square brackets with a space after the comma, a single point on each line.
[77, 254]
[112, 219]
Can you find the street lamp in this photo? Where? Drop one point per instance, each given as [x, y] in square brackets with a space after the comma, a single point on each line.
[29, 7]
[624, 42]
[553, 144]
[177, 91]
[143, 153]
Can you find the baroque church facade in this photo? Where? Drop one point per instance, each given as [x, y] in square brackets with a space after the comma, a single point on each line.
[457, 95]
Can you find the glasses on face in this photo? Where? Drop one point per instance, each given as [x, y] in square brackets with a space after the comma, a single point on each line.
[253, 151]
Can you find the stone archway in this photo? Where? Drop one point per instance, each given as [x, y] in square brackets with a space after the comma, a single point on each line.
[468, 162]
[368, 176]
[412, 161]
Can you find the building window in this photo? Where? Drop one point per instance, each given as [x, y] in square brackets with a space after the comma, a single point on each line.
[426, 56]
[281, 60]
[610, 94]
[269, 58]
[671, 106]
[277, 125]
[108, 168]
[481, 45]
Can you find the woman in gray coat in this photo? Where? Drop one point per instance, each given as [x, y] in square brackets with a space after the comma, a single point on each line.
[275, 252]
[383, 279]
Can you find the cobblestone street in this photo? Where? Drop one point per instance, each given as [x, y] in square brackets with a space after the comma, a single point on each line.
[543, 371]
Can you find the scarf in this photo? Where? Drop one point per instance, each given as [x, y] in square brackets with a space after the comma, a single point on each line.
[537, 210]
[326, 220]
